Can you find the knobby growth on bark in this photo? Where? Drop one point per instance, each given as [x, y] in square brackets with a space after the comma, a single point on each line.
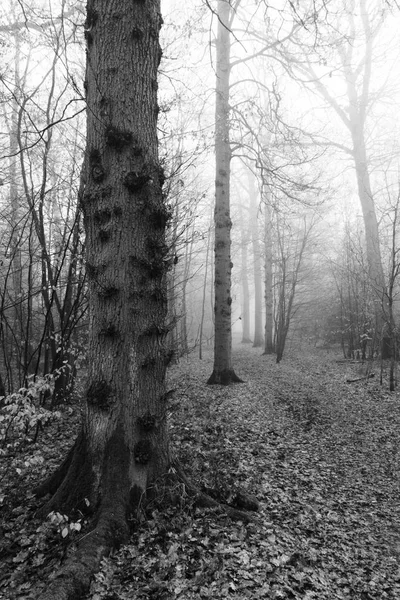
[122, 446]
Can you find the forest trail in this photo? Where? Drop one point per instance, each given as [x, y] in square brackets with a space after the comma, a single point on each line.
[320, 455]
[322, 458]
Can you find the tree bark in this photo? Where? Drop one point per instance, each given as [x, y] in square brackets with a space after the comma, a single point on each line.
[376, 274]
[255, 238]
[203, 302]
[123, 444]
[223, 372]
[17, 226]
[245, 282]
[269, 296]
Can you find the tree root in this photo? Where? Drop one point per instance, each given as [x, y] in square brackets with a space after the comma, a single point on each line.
[53, 482]
[224, 377]
[69, 483]
[73, 580]
[370, 376]
[111, 529]
[204, 500]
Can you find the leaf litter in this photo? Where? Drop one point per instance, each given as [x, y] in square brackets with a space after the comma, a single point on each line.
[320, 456]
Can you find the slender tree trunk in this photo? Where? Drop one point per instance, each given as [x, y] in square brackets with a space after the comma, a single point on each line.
[2, 389]
[245, 282]
[16, 220]
[223, 372]
[281, 312]
[376, 273]
[122, 446]
[269, 296]
[184, 347]
[203, 302]
[393, 344]
[255, 238]
[393, 274]
[172, 338]
[172, 341]
[355, 49]
[289, 272]
[358, 97]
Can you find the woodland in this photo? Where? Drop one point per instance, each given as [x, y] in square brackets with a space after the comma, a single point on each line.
[199, 299]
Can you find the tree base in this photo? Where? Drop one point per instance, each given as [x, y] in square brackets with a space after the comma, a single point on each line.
[246, 340]
[112, 527]
[69, 484]
[258, 343]
[225, 377]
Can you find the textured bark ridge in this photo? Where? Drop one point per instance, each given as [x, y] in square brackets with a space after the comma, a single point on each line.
[71, 483]
[122, 447]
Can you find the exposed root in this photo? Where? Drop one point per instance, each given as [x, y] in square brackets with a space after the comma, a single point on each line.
[369, 376]
[225, 377]
[73, 580]
[204, 500]
[111, 528]
[53, 482]
[70, 484]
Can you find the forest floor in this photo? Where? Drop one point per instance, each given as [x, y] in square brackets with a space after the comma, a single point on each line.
[322, 457]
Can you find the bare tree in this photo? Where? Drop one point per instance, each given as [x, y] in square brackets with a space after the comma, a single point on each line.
[223, 372]
[122, 445]
[268, 275]
[292, 239]
[244, 242]
[348, 42]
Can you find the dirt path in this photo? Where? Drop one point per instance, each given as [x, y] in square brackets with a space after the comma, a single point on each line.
[322, 455]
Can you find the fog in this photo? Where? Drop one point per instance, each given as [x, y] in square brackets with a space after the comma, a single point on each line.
[313, 135]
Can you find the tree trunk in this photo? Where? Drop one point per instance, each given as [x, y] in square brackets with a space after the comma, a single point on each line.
[255, 238]
[291, 258]
[355, 51]
[2, 388]
[17, 226]
[172, 286]
[222, 372]
[358, 106]
[123, 445]
[374, 258]
[189, 240]
[269, 295]
[203, 302]
[245, 283]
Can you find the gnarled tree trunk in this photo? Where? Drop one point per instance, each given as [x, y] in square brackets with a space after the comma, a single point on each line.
[122, 446]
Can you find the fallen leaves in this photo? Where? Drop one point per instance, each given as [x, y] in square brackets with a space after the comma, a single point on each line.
[319, 457]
